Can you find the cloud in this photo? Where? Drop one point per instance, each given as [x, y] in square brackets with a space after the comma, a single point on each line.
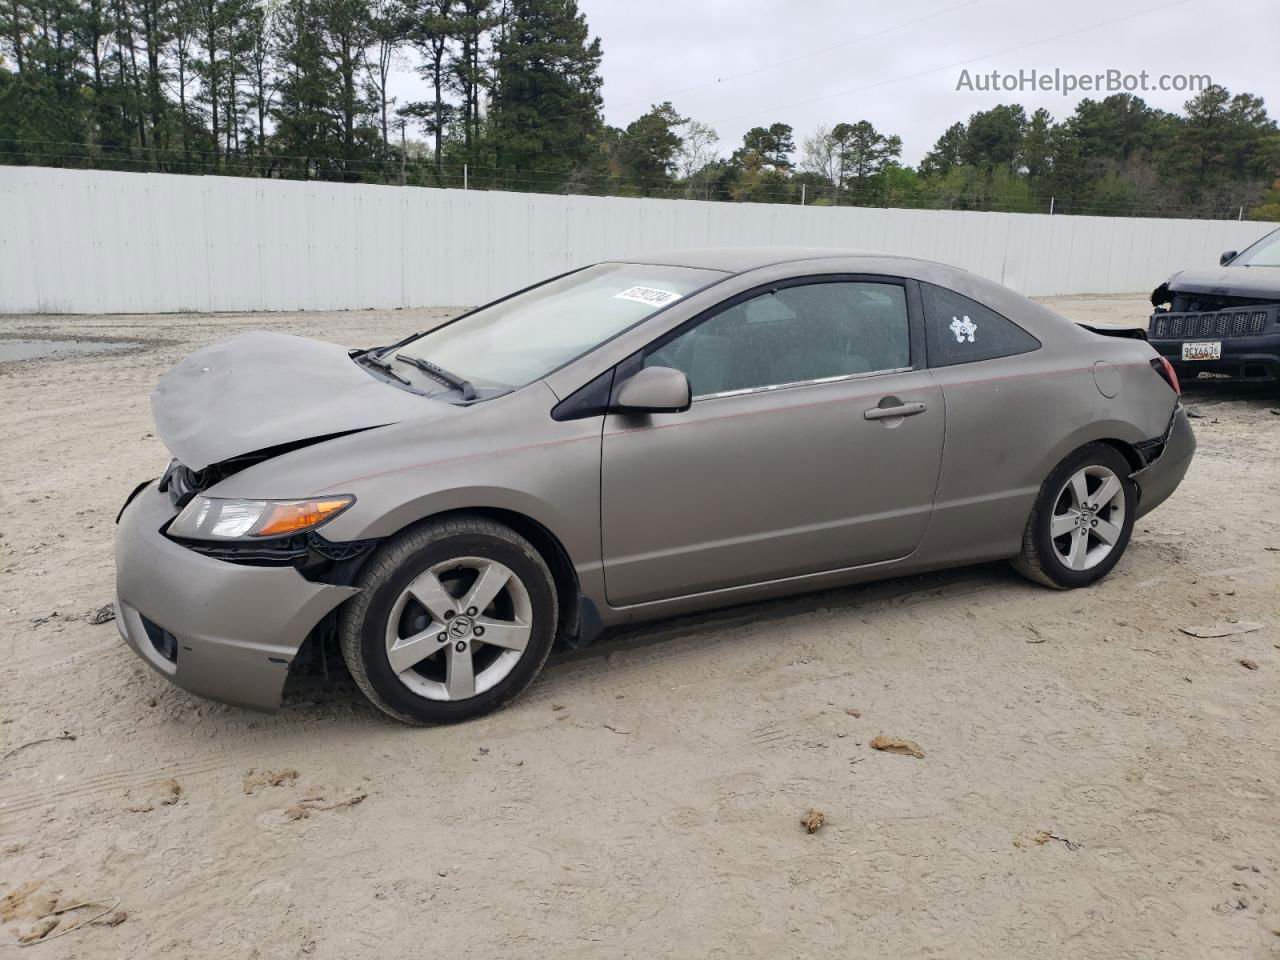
[660, 49]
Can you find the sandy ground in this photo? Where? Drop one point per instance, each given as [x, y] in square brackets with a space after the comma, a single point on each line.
[1095, 783]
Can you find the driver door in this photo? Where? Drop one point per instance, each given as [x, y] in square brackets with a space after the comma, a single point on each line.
[793, 457]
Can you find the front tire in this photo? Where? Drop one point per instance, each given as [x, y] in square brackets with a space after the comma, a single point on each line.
[1082, 520]
[453, 620]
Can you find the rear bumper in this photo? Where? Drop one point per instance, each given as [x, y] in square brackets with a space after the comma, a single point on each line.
[1158, 479]
[220, 630]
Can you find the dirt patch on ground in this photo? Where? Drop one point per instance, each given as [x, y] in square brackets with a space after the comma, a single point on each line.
[1108, 790]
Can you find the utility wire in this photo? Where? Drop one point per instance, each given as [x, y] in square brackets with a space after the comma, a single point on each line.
[957, 63]
[800, 57]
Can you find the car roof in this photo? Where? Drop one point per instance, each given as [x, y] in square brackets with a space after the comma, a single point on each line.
[742, 259]
[1040, 320]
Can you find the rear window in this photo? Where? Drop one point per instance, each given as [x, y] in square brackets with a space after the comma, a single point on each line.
[960, 330]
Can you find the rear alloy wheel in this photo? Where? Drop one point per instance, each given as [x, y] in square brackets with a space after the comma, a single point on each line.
[1082, 520]
[455, 618]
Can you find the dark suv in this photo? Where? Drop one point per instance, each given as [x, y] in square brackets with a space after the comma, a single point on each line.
[1223, 324]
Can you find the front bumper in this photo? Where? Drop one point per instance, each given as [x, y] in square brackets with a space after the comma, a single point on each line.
[221, 630]
[1243, 358]
[1158, 479]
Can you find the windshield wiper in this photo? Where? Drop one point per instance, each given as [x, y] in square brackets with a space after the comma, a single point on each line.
[382, 365]
[383, 351]
[441, 374]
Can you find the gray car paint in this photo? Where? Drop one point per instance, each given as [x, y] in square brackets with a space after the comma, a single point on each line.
[738, 499]
[238, 627]
[766, 484]
[210, 405]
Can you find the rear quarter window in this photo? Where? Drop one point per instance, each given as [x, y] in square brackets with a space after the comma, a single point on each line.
[960, 330]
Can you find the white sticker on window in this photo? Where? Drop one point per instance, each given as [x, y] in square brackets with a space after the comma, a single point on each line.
[648, 295]
[963, 329]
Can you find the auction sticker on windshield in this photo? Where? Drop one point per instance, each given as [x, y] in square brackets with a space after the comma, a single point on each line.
[1209, 350]
[649, 295]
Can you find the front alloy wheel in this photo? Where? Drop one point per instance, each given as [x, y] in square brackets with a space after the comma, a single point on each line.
[459, 628]
[455, 617]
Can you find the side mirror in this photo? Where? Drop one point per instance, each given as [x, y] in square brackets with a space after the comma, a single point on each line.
[653, 390]
[1227, 257]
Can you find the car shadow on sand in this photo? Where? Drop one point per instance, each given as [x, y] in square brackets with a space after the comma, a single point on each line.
[325, 687]
[1200, 396]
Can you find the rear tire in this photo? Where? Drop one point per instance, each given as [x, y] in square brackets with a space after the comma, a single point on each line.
[453, 620]
[1082, 520]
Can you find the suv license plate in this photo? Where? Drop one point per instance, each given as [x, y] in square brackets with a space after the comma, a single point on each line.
[1211, 350]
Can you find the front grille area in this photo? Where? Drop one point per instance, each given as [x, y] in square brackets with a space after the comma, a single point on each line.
[1248, 322]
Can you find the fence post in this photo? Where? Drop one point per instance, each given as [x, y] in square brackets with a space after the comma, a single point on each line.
[1051, 200]
[1240, 215]
[464, 176]
[802, 193]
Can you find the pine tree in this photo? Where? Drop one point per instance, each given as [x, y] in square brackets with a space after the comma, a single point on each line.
[546, 97]
[432, 24]
[473, 22]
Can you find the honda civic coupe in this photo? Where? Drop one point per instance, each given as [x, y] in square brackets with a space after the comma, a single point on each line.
[628, 441]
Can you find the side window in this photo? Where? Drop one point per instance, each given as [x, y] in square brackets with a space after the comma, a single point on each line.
[960, 330]
[809, 332]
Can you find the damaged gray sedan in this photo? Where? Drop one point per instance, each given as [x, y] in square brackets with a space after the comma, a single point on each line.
[625, 442]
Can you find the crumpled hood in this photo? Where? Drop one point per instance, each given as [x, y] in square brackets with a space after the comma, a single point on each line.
[1262, 282]
[260, 390]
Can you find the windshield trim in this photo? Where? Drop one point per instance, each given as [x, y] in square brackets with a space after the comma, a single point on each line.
[723, 276]
[484, 306]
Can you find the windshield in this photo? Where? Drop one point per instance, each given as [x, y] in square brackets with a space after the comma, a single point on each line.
[1263, 253]
[525, 337]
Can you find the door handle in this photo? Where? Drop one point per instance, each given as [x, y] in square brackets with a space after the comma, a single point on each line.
[896, 410]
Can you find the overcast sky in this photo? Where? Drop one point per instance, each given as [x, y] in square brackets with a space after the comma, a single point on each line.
[741, 63]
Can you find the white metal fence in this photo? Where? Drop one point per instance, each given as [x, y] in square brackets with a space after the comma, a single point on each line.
[76, 241]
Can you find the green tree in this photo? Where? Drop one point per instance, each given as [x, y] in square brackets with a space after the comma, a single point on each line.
[303, 114]
[895, 186]
[390, 27]
[546, 96]
[774, 144]
[432, 24]
[759, 180]
[946, 153]
[864, 150]
[1118, 127]
[1037, 145]
[473, 21]
[346, 32]
[993, 138]
[1223, 137]
[645, 152]
[1269, 206]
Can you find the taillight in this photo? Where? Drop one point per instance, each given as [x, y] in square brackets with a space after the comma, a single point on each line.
[1163, 367]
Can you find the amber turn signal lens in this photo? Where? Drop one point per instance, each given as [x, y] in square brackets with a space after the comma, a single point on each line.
[298, 515]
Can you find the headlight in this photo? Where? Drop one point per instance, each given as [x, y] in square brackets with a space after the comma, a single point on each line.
[211, 518]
